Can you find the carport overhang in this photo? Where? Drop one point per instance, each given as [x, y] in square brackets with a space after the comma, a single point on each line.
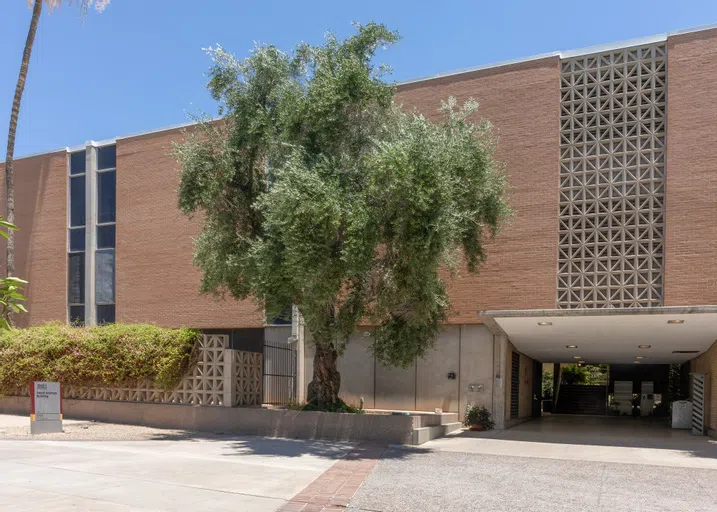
[608, 335]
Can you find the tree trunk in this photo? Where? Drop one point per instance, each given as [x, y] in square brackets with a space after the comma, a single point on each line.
[323, 390]
[9, 177]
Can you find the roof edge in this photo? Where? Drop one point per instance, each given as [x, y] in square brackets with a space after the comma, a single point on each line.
[566, 54]
[657, 310]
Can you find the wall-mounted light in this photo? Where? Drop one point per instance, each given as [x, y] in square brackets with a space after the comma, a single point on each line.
[644, 346]
[543, 324]
[672, 322]
[571, 346]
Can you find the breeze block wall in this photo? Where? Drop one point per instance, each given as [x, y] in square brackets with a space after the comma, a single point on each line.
[156, 280]
[522, 101]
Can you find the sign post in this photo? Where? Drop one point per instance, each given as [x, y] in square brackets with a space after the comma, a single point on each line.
[45, 407]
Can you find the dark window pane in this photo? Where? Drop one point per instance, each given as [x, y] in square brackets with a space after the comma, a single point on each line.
[76, 278]
[77, 201]
[77, 162]
[106, 237]
[107, 157]
[105, 277]
[77, 239]
[106, 314]
[77, 315]
[106, 197]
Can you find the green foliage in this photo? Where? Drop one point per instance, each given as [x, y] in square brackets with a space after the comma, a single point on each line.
[478, 415]
[315, 189]
[11, 296]
[107, 355]
[574, 374]
[590, 374]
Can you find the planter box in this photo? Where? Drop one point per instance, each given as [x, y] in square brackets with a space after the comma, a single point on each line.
[385, 429]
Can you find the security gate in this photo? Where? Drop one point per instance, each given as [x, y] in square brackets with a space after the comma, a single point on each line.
[279, 373]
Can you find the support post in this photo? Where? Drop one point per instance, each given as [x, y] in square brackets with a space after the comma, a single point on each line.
[230, 374]
[500, 347]
[297, 333]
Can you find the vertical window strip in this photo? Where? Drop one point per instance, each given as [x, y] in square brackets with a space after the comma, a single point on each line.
[106, 210]
[76, 237]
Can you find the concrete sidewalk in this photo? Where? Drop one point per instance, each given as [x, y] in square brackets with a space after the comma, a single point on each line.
[182, 473]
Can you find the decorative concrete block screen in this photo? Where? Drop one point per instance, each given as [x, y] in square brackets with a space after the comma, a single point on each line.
[221, 376]
[612, 178]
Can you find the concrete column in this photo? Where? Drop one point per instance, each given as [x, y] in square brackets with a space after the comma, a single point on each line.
[297, 334]
[230, 376]
[500, 348]
[90, 231]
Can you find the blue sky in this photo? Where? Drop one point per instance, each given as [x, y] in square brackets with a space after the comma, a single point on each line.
[140, 65]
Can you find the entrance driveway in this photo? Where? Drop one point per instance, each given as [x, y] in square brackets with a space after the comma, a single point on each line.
[554, 464]
[169, 472]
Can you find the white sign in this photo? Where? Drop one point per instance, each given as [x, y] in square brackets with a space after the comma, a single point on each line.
[45, 407]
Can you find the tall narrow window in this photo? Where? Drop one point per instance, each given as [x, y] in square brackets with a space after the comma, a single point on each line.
[105, 253]
[76, 240]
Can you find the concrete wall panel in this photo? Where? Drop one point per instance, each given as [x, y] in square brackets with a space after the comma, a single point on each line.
[433, 387]
[395, 387]
[476, 367]
[357, 371]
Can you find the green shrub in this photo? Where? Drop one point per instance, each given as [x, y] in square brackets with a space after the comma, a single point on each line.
[108, 355]
[478, 415]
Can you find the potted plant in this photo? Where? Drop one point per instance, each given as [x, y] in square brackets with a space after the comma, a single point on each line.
[478, 418]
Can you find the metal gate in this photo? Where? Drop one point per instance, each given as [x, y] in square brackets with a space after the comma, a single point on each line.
[515, 385]
[279, 373]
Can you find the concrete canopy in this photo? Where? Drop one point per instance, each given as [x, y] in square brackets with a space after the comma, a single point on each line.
[608, 335]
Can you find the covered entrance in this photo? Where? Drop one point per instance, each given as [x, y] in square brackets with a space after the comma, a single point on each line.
[638, 358]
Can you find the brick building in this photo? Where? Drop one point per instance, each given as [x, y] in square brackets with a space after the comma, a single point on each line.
[611, 256]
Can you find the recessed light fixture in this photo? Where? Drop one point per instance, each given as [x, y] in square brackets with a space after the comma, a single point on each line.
[571, 346]
[644, 346]
[639, 357]
[675, 321]
[581, 362]
[543, 324]
[636, 362]
[577, 357]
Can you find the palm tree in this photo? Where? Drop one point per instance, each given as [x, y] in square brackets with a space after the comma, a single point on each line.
[17, 99]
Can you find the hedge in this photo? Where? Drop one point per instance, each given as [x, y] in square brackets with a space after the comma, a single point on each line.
[108, 355]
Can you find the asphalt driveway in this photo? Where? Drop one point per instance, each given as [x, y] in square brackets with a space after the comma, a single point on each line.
[558, 464]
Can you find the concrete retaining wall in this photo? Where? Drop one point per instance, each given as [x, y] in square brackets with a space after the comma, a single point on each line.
[250, 421]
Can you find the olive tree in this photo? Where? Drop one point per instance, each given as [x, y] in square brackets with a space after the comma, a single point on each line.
[316, 189]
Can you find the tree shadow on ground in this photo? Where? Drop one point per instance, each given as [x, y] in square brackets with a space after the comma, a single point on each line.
[241, 445]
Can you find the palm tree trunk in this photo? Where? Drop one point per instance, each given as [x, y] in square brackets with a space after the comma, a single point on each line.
[9, 177]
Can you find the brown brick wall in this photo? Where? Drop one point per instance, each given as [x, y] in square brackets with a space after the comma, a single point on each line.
[691, 194]
[522, 101]
[41, 242]
[156, 281]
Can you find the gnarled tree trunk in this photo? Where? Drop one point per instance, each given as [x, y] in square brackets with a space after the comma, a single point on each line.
[9, 176]
[323, 390]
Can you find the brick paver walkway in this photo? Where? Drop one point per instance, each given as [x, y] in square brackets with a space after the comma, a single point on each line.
[332, 491]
